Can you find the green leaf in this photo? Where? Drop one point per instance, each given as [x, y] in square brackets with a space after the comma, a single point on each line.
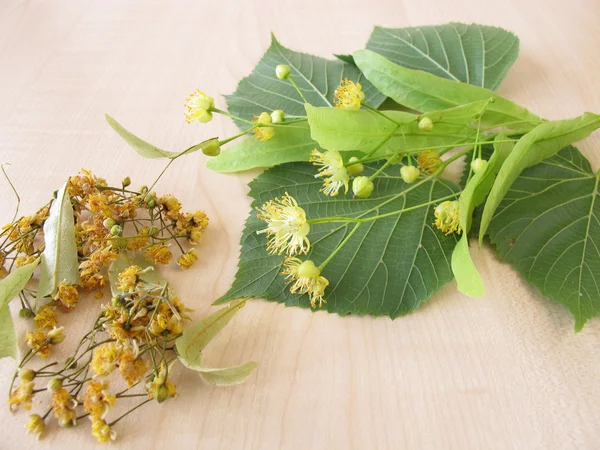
[59, 262]
[425, 92]
[123, 262]
[468, 279]
[288, 145]
[317, 78]
[389, 267]
[10, 288]
[540, 143]
[144, 148]
[365, 130]
[476, 54]
[197, 336]
[547, 226]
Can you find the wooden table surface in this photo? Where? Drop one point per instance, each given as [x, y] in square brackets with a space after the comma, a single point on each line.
[503, 371]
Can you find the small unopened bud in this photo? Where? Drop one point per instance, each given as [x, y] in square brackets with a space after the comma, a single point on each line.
[308, 269]
[277, 116]
[55, 384]
[212, 148]
[362, 187]
[126, 182]
[56, 335]
[144, 189]
[282, 71]
[116, 230]
[425, 124]
[109, 223]
[26, 313]
[355, 169]
[409, 173]
[26, 375]
[63, 423]
[150, 200]
[478, 164]
[161, 394]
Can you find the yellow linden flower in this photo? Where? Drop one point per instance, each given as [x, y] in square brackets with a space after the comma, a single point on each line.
[56, 335]
[132, 368]
[129, 278]
[186, 260]
[105, 358]
[349, 95]
[199, 107]
[46, 318]
[332, 170]
[159, 253]
[67, 295]
[36, 425]
[63, 405]
[446, 217]
[287, 226]
[38, 341]
[160, 388]
[264, 133]
[97, 401]
[21, 395]
[306, 278]
[429, 160]
[102, 432]
[24, 260]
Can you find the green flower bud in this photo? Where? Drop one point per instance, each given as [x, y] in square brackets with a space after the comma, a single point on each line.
[355, 169]
[161, 394]
[362, 187]
[211, 148]
[116, 230]
[282, 71]
[26, 313]
[55, 384]
[150, 200]
[126, 182]
[109, 223]
[26, 375]
[409, 173]
[308, 269]
[478, 164]
[277, 116]
[425, 124]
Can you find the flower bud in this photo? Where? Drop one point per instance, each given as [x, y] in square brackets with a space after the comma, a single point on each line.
[116, 230]
[211, 148]
[109, 223]
[144, 189]
[277, 116]
[64, 423]
[56, 335]
[26, 313]
[55, 384]
[425, 124]
[478, 164]
[409, 173]
[362, 187]
[308, 269]
[26, 375]
[126, 182]
[161, 394]
[355, 169]
[282, 71]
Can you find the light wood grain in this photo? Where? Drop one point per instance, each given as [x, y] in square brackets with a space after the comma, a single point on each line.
[504, 371]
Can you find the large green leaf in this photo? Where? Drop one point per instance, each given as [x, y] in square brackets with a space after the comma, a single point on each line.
[389, 266]
[548, 227]
[540, 143]
[317, 78]
[288, 145]
[10, 288]
[59, 261]
[365, 130]
[198, 335]
[476, 54]
[425, 92]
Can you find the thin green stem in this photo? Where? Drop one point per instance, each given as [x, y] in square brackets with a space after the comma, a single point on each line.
[340, 246]
[129, 412]
[297, 88]
[380, 113]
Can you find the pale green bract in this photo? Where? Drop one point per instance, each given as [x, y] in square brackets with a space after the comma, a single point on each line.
[198, 335]
[10, 288]
[542, 142]
[389, 267]
[425, 92]
[59, 261]
[476, 54]
[547, 226]
[142, 147]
